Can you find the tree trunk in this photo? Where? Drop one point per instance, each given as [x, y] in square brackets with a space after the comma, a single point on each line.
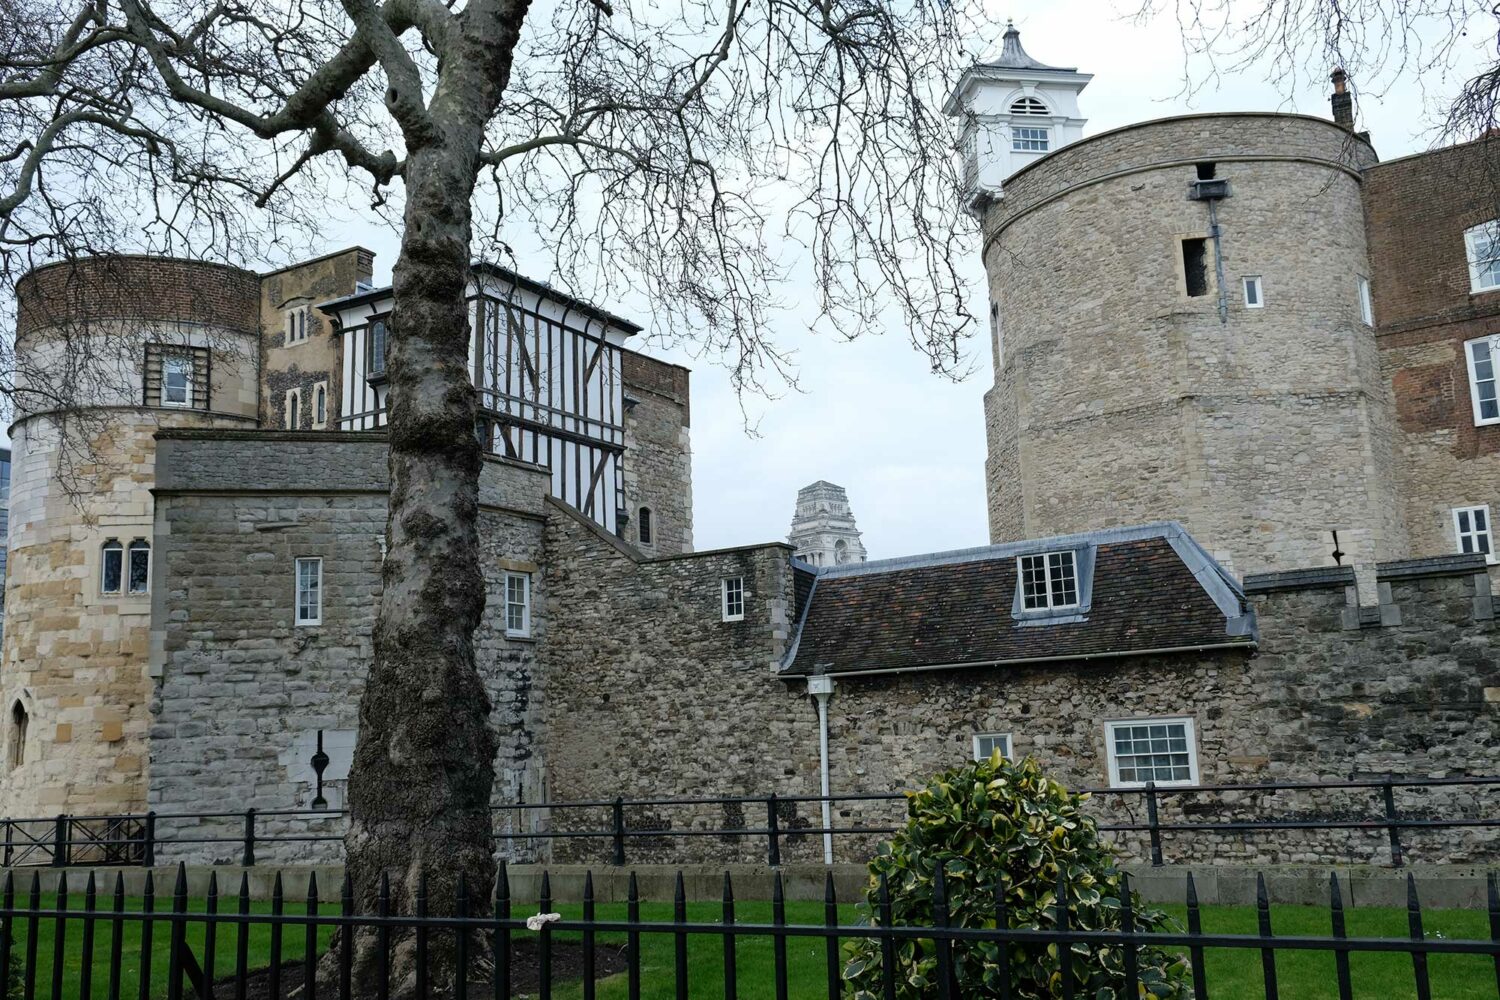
[419, 790]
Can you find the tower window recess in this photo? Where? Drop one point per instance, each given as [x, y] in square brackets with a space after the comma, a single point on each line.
[644, 528]
[176, 376]
[1481, 357]
[139, 580]
[732, 595]
[111, 567]
[18, 725]
[1254, 297]
[1029, 140]
[1471, 526]
[1048, 580]
[1195, 266]
[1027, 106]
[1206, 171]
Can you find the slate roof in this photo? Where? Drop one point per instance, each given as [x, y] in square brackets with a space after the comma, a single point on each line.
[1154, 588]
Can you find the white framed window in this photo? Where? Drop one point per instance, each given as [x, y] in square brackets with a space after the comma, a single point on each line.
[1254, 297]
[138, 578]
[1366, 304]
[293, 409]
[1028, 139]
[985, 745]
[518, 605]
[1481, 355]
[732, 595]
[297, 321]
[176, 380]
[1471, 527]
[1048, 580]
[309, 591]
[111, 567]
[320, 406]
[1163, 751]
[1483, 246]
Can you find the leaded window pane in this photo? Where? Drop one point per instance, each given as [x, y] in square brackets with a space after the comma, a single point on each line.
[140, 566]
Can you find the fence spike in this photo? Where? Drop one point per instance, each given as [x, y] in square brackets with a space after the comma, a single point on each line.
[633, 939]
[346, 939]
[778, 940]
[544, 941]
[1195, 952]
[588, 935]
[383, 937]
[176, 934]
[1414, 923]
[1492, 897]
[1267, 955]
[1064, 946]
[59, 932]
[679, 939]
[148, 907]
[1340, 955]
[242, 938]
[1127, 925]
[421, 913]
[278, 903]
[887, 943]
[86, 958]
[210, 936]
[461, 938]
[831, 921]
[500, 944]
[731, 973]
[117, 935]
[310, 941]
[1002, 924]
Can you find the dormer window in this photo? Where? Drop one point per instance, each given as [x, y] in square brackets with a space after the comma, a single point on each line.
[1049, 580]
[1028, 106]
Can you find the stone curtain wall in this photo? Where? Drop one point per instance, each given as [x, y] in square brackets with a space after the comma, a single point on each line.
[658, 454]
[654, 696]
[1416, 210]
[1119, 399]
[241, 690]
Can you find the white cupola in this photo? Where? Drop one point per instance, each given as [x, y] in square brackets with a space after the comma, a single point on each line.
[1015, 110]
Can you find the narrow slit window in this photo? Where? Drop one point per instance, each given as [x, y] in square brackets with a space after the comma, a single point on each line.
[309, 591]
[1471, 526]
[732, 592]
[1254, 297]
[1366, 305]
[19, 723]
[111, 567]
[518, 605]
[140, 566]
[377, 342]
[1195, 266]
[320, 406]
[644, 528]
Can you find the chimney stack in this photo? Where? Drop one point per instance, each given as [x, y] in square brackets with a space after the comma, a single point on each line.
[1342, 100]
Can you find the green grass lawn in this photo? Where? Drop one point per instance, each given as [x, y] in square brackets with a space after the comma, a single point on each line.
[1232, 973]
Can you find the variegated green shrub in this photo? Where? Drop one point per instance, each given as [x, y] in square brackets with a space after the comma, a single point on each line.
[993, 822]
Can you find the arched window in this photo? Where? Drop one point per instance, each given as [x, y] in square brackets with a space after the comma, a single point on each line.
[18, 721]
[140, 566]
[840, 551]
[644, 528]
[377, 346]
[111, 567]
[1027, 106]
[293, 409]
[320, 405]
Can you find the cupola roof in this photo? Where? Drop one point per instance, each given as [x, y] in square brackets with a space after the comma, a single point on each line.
[1012, 56]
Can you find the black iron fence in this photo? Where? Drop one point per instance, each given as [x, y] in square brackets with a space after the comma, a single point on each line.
[1160, 821]
[52, 947]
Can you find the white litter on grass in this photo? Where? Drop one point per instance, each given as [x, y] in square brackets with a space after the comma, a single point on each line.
[535, 923]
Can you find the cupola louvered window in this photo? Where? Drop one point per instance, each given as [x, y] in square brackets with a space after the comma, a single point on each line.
[1028, 106]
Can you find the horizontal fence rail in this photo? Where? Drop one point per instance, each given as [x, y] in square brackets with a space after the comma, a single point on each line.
[503, 949]
[607, 824]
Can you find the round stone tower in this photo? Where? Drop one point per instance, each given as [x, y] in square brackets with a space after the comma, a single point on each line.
[108, 351]
[1179, 333]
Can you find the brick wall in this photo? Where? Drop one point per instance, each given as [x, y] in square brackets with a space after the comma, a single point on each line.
[127, 287]
[1416, 211]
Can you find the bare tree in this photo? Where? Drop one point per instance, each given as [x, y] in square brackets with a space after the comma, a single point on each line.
[1378, 42]
[676, 148]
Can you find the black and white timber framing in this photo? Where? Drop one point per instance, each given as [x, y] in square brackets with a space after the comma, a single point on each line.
[547, 367]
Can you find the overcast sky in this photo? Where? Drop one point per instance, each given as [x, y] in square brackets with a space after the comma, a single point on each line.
[909, 446]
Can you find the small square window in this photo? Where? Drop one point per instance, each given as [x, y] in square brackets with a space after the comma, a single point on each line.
[1253, 297]
[1481, 355]
[1483, 245]
[1471, 527]
[1162, 751]
[1048, 580]
[1028, 139]
[985, 745]
[732, 592]
[1366, 305]
[518, 605]
[309, 591]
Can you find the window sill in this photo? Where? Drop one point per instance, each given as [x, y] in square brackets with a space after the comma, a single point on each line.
[375, 378]
[732, 619]
[514, 637]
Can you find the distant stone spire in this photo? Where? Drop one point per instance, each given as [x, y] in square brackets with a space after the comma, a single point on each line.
[823, 530]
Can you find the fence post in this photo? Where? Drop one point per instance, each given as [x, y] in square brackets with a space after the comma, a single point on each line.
[10, 839]
[619, 819]
[773, 835]
[1387, 790]
[60, 842]
[150, 858]
[249, 858]
[1152, 822]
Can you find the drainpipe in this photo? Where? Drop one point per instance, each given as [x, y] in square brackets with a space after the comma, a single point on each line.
[1213, 230]
[820, 686]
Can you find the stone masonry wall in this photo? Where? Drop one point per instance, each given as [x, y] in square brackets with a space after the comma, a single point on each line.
[658, 454]
[1120, 399]
[241, 691]
[1416, 211]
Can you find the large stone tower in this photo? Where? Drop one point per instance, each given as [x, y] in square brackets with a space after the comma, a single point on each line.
[823, 530]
